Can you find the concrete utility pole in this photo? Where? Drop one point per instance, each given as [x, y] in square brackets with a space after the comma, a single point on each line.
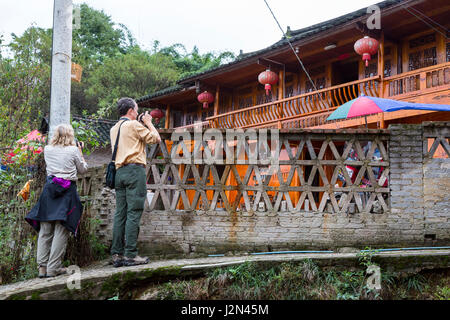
[61, 64]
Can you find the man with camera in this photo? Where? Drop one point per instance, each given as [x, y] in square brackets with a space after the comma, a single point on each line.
[130, 181]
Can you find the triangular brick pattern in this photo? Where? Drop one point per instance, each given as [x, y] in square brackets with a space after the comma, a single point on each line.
[319, 172]
[438, 147]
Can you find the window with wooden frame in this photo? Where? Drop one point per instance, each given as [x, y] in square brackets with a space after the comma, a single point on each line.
[224, 103]
[191, 117]
[262, 98]
[207, 113]
[371, 70]
[289, 86]
[318, 76]
[388, 58]
[177, 116]
[422, 52]
[448, 52]
[245, 97]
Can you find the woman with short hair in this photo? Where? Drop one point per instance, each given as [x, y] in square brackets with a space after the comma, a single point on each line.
[59, 208]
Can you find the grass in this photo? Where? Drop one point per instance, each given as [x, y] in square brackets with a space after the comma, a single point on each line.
[300, 281]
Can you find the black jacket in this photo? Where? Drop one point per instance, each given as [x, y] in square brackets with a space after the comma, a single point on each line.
[57, 204]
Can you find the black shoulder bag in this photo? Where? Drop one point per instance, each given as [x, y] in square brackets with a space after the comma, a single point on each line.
[111, 170]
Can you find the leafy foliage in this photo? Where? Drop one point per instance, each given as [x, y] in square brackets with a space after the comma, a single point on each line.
[193, 62]
[298, 281]
[24, 86]
[113, 66]
[99, 38]
[133, 74]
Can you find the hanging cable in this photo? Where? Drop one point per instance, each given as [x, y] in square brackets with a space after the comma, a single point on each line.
[432, 27]
[293, 50]
[431, 20]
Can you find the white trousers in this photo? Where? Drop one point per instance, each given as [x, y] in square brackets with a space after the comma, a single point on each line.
[51, 246]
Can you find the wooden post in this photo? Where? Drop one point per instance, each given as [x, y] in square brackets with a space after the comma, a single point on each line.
[281, 85]
[440, 48]
[328, 72]
[216, 100]
[167, 124]
[381, 74]
[405, 58]
[280, 94]
[381, 58]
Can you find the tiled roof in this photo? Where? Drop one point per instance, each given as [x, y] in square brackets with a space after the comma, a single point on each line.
[101, 126]
[299, 35]
[162, 92]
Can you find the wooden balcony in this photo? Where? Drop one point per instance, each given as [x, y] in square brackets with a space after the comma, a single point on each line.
[418, 85]
[301, 111]
[310, 110]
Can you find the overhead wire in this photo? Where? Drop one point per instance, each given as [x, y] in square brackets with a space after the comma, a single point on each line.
[431, 26]
[431, 20]
[293, 50]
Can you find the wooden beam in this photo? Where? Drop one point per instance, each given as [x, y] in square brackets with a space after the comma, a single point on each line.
[216, 100]
[276, 66]
[271, 64]
[413, 19]
[166, 125]
[441, 43]
[281, 94]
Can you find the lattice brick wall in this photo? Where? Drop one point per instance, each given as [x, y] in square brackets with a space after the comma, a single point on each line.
[315, 173]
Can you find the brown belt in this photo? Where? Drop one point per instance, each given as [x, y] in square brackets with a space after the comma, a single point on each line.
[134, 164]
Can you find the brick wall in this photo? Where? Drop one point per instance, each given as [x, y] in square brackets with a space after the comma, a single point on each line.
[419, 214]
[436, 183]
[406, 219]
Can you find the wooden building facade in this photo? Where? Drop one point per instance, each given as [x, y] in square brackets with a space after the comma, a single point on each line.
[412, 64]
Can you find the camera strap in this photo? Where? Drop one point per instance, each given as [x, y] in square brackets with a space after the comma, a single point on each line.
[117, 140]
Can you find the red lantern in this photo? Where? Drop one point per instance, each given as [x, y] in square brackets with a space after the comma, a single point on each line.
[366, 47]
[157, 114]
[268, 78]
[205, 98]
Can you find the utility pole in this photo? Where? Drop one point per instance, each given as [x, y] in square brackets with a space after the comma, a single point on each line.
[61, 64]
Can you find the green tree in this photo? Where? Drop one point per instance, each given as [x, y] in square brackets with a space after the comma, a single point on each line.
[133, 74]
[24, 84]
[33, 46]
[99, 38]
[189, 63]
[1, 41]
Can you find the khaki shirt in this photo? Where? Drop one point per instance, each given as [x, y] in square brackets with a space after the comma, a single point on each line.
[133, 138]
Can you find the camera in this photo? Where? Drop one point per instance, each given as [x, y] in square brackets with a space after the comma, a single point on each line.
[139, 118]
[79, 144]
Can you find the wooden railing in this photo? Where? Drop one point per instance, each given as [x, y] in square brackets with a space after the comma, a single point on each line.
[423, 80]
[201, 125]
[310, 107]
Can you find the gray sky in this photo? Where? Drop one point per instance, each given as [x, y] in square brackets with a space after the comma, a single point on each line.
[214, 25]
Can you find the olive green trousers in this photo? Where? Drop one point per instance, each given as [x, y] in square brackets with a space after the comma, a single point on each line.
[131, 191]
